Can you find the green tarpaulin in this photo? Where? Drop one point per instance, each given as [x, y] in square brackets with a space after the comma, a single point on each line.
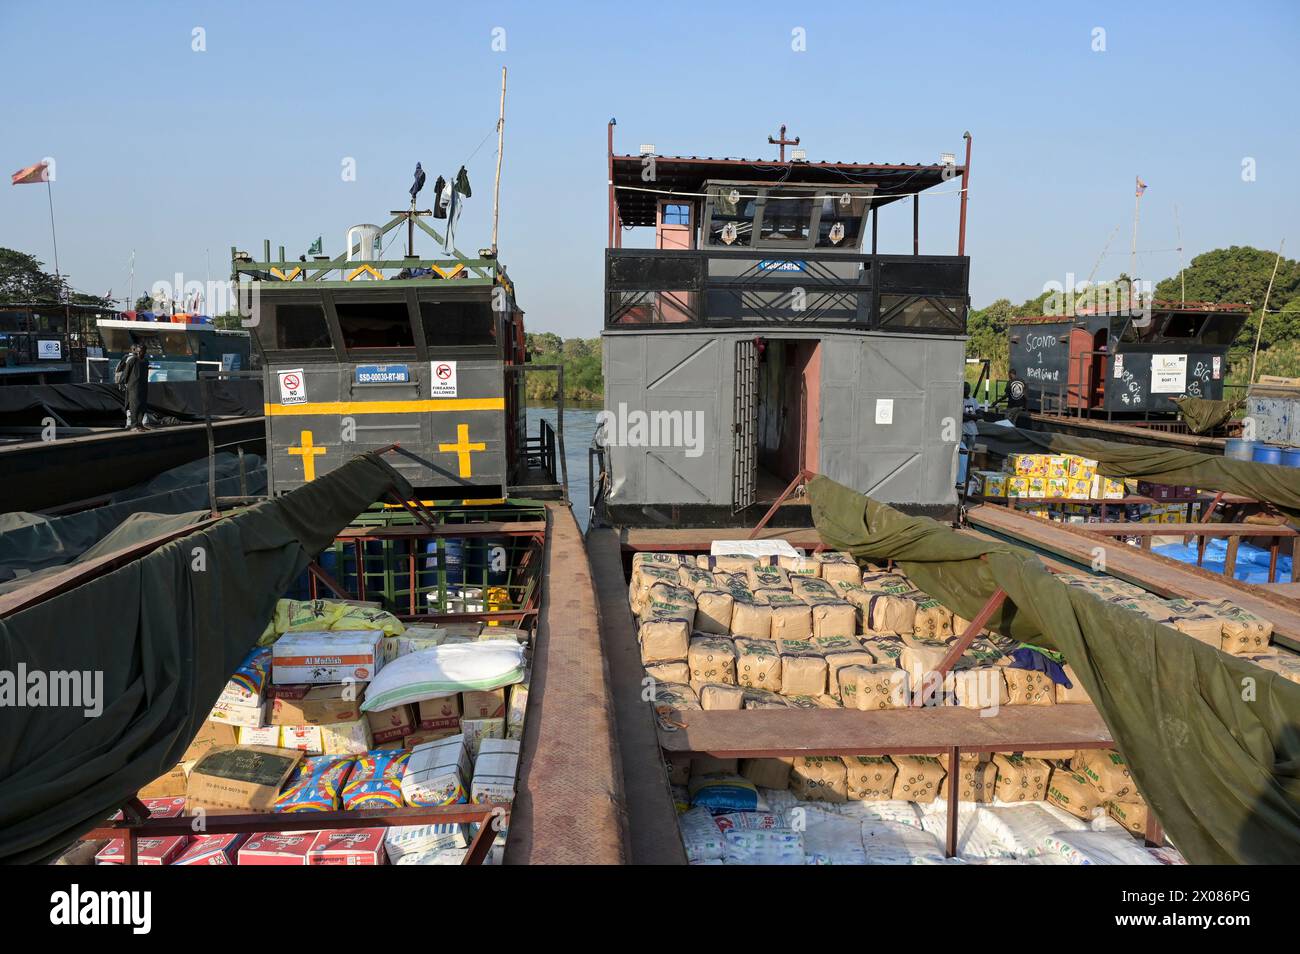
[160, 636]
[1212, 740]
[1203, 415]
[1274, 483]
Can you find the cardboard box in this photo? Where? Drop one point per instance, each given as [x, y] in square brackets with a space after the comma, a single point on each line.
[325, 657]
[440, 713]
[209, 736]
[391, 725]
[240, 778]
[424, 736]
[265, 735]
[149, 851]
[346, 738]
[232, 715]
[348, 846]
[516, 707]
[248, 683]
[436, 773]
[169, 784]
[303, 737]
[212, 850]
[476, 730]
[316, 705]
[494, 771]
[277, 848]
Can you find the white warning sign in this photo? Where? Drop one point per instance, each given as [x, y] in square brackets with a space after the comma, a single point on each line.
[1168, 373]
[293, 387]
[884, 410]
[442, 381]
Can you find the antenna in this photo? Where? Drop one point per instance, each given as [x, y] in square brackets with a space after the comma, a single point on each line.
[1093, 274]
[1182, 274]
[496, 188]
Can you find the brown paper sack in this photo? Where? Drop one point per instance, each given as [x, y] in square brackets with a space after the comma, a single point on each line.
[803, 668]
[694, 578]
[889, 614]
[869, 778]
[1074, 793]
[669, 696]
[1244, 633]
[837, 662]
[806, 586]
[1202, 628]
[877, 686]
[733, 562]
[1288, 667]
[980, 688]
[768, 577]
[669, 594]
[645, 577]
[1106, 770]
[922, 656]
[767, 773]
[839, 567]
[1132, 815]
[976, 782]
[918, 777]
[758, 664]
[1027, 687]
[834, 617]
[799, 565]
[713, 611]
[885, 582]
[1021, 778]
[751, 619]
[676, 671]
[664, 640]
[791, 616]
[718, 696]
[819, 778]
[765, 699]
[1075, 694]
[933, 620]
[712, 659]
[886, 649]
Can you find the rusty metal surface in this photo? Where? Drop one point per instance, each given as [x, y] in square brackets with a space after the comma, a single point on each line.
[651, 817]
[767, 733]
[699, 540]
[1158, 574]
[566, 808]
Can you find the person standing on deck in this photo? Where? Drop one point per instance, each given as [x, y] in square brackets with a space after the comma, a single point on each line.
[133, 376]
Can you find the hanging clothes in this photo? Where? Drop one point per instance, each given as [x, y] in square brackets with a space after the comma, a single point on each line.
[453, 191]
[439, 210]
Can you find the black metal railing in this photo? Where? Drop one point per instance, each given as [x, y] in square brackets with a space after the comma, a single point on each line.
[715, 287]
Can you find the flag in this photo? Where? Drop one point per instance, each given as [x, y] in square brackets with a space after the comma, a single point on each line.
[1141, 187]
[315, 247]
[37, 173]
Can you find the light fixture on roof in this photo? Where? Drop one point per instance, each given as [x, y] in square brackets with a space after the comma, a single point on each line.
[799, 155]
[947, 159]
[647, 149]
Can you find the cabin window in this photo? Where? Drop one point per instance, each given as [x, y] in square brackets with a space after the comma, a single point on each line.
[786, 219]
[731, 223]
[916, 312]
[457, 323]
[1183, 325]
[301, 326]
[375, 325]
[847, 215]
[675, 214]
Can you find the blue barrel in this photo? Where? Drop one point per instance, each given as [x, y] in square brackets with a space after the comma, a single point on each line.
[1291, 457]
[963, 463]
[1267, 454]
[1238, 449]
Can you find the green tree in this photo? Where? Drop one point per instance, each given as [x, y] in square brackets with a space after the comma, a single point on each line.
[24, 279]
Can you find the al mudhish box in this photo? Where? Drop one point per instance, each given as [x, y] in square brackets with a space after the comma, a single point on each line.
[212, 850]
[348, 846]
[316, 705]
[325, 657]
[277, 848]
[240, 778]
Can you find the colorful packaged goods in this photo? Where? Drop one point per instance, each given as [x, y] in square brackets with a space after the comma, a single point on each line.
[316, 785]
[252, 716]
[407, 844]
[248, 682]
[150, 850]
[277, 848]
[347, 846]
[305, 738]
[476, 731]
[346, 738]
[436, 773]
[989, 483]
[325, 657]
[376, 780]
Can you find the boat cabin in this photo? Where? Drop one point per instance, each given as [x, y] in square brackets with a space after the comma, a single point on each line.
[754, 328]
[1124, 362]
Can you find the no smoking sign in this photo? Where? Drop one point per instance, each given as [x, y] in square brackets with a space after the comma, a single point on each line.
[293, 387]
[442, 380]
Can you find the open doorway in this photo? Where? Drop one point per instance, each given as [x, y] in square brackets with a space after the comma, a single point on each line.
[786, 414]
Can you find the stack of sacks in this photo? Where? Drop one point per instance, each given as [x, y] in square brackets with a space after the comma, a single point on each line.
[976, 776]
[1021, 778]
[667, 620]
[1108, 773]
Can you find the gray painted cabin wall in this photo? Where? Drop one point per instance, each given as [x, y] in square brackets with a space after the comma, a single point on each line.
[908, 461]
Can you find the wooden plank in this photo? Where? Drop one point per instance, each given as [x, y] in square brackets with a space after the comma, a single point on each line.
[1155, 573]
[770, 733]
[646, 797]
[673, 539]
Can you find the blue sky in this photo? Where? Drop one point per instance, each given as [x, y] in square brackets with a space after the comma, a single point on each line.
[180, 154]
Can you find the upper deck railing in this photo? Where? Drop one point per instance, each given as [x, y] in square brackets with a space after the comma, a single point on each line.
[719, 287]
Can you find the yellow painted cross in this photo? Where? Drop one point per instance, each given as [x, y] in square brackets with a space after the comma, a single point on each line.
[462, 449]
[308, 453]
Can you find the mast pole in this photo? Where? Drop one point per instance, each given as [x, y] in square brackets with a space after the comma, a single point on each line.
[1260, 330]
[496, 188]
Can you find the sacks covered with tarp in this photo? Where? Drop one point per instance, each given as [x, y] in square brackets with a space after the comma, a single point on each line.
[1221, 772]
[166, 638]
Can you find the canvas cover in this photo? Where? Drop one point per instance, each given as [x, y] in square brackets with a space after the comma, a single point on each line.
[166, 638]
[1212, 740]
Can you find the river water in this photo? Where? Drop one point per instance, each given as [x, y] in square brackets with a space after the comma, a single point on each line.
[579, 429]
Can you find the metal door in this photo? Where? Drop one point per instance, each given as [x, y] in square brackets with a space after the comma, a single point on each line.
[744, 455]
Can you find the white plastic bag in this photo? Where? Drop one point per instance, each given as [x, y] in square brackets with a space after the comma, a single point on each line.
[443, 670]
